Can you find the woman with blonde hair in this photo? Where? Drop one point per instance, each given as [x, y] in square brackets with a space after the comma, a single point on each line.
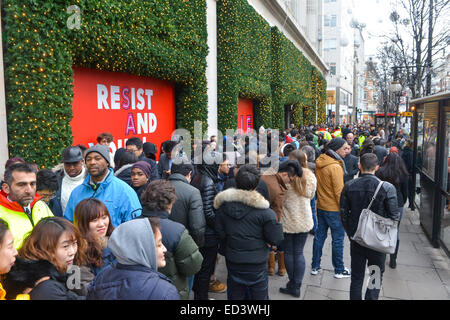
[297, 221]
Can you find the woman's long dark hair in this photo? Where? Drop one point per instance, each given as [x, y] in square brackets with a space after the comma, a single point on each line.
[85, 212]
[393, 169]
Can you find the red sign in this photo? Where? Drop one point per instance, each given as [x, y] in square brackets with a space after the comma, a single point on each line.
[122, 104]
[245, 115]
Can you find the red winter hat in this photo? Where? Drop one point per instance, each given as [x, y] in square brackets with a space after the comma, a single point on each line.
[393, 150]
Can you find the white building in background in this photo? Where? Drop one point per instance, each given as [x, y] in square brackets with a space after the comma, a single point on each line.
[343, 50]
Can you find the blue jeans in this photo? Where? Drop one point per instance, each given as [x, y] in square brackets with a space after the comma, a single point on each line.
[332, 220]
[314, 214]
[294, 259]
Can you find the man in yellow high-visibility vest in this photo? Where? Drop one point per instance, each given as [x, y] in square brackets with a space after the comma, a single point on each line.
[20, 206]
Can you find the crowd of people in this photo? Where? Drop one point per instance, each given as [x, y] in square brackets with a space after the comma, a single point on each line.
[132, 225]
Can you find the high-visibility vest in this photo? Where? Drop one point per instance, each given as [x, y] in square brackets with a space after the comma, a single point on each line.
[20, 224]
[361, 140]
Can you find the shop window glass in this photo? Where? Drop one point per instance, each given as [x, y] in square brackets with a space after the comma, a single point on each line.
[430, 125]
[446, 153]
[419, 139]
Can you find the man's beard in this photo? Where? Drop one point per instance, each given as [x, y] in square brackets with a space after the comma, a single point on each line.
[100, 173]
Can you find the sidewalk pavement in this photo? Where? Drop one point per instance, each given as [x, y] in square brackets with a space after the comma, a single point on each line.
[422, 273]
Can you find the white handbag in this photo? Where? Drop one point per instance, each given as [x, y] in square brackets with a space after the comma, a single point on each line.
[376, 232]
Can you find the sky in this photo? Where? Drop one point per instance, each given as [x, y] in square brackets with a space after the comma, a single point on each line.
[375, 14]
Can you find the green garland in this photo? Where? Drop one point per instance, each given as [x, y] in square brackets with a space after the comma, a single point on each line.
[295, 81]
[164, 39]
[260, 63]
[243, 63]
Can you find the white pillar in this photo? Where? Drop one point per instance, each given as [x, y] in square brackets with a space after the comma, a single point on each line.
[3, 131]
[211, 66]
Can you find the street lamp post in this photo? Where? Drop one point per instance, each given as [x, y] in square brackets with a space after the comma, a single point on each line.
[395, 87]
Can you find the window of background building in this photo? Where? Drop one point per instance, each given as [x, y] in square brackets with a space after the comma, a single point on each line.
[332, 68]
[329, 44]
[329, 20]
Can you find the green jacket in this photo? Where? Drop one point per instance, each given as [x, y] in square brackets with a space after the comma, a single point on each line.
[183, 259]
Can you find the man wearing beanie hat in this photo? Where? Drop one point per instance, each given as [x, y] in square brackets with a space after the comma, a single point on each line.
[120, 199]
[330, 171]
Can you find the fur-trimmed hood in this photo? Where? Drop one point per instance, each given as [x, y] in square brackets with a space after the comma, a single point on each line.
[25, 273]
[237, 201]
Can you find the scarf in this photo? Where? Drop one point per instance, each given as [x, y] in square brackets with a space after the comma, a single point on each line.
[337, 157]
[68, 184]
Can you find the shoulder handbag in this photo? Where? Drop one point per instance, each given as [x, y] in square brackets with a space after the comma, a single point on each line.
[376, 232]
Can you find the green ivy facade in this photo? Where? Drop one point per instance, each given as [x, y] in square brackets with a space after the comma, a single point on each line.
[163, 39]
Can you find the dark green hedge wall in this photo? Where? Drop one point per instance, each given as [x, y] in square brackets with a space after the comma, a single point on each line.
[164, 39]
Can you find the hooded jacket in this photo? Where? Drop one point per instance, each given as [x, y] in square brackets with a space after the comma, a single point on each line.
[296, 216]
[330, 181]
[245, 225]
[183, 259]
[25, 273]
[19, 223]
[120, 199]
[135, 277]
[188, 208]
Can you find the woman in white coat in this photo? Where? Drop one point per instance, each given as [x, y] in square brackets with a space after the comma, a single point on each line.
[297, 221]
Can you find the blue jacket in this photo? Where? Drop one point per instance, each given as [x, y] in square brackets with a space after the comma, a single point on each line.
[131, 283]
[120, 199]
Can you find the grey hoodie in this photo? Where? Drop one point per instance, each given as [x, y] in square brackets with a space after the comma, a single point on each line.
[132, 243]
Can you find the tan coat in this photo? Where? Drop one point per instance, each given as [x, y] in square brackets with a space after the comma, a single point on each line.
[277, 192]
[297, 214]
[330, 182]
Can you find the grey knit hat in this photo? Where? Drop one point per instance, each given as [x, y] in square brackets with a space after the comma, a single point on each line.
[101, 149]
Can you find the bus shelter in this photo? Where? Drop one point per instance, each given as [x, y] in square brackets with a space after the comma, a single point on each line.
[431, 132]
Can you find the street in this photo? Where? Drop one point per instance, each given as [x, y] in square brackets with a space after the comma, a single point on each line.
[422, 273]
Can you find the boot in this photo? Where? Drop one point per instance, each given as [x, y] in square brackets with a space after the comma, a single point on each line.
[295, 292]
[271, 268]
[281, 266]
[393, 257]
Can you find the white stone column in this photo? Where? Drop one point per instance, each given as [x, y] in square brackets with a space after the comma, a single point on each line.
[211, 66]
[3, 130]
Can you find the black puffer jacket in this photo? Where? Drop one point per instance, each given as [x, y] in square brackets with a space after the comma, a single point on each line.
[245, 225]
[205, 181]
[25, 273]
[356, 196]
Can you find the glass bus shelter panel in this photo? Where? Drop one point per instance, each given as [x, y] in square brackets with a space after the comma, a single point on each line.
[419, 139]
[445, 222]
[427, 192]
[430, 139]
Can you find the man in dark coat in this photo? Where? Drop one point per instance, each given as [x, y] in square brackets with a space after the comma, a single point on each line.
[245, 224]
[380, 150]
[165, 159]
[356, 196]
[206, 182]
[231, 183]
[351, 165]
[188, 208]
